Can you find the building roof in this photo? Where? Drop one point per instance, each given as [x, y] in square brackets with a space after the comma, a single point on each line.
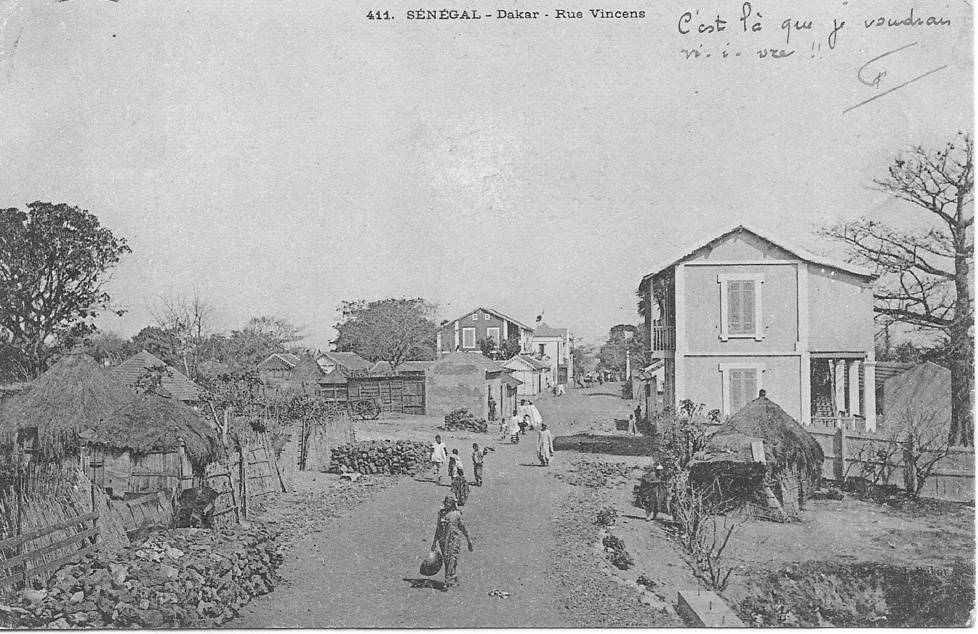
[383, 367]
[335, 377]
[526, 361]
[543, 330]
[287, 359]
[889, 369]
[75, 394]
[509, 379]
[174, 382]
[799, 252]
[491, 312]
[474, 358]
[349, 360]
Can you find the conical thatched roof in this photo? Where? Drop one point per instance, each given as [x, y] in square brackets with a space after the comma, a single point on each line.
[786, 443]
[153, 423]
[73, 395]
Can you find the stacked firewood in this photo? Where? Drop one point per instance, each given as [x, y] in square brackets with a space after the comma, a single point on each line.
[381, 457]
[180, 578]
[464, 420]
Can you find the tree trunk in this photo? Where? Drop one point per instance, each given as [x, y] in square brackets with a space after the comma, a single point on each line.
[962, 430]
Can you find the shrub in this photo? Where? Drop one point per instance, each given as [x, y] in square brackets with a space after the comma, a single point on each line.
[607, 516]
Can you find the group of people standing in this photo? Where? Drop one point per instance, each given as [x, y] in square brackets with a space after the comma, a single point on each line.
[456, 470]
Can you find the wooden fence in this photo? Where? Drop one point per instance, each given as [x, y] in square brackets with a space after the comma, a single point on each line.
[851, 453]
[250, 473]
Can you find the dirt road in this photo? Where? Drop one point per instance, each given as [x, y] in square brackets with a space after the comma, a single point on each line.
[363, 571]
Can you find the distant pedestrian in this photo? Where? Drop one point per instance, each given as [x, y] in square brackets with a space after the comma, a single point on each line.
[653, 494]
[492, 408]
[454, 462]
[460, 486]
[448, 537]
[638, 412]
[439, 454]
[478, 456]
[545, 445]
[632, 429]
[514, 429]
[524, 423]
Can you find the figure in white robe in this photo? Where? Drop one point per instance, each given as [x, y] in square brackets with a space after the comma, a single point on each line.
[545, 446]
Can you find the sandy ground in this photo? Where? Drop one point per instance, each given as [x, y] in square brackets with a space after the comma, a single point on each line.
[362, 570]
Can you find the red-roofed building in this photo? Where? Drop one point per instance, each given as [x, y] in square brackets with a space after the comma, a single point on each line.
[465, 332]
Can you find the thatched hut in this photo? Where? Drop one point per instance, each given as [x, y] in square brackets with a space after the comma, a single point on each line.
[152, 444]
[72, 396]
[762, 456]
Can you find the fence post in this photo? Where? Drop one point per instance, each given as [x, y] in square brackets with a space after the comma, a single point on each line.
[19, 485]
[839, 448]
[243, 470]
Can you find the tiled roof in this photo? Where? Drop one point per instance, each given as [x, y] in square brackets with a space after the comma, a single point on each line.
[509, 379]
[889, 369]
[174, 382]
[287, 359]
[349, 360]
[527, 361]
[802, 254]
[543, 330]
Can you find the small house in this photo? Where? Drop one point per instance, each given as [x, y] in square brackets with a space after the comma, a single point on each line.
[468, 380]
[479, 324]
[552, 345]
[760, 456]
[349, 362]
[530, 371]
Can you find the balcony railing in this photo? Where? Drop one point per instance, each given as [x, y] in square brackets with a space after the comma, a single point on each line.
[850, 423]
[663, 338]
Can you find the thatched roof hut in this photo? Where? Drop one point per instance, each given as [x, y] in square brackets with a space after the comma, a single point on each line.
[154, 424]
[72, 396]
[789, 465]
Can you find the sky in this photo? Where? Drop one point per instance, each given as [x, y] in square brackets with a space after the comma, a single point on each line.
[280, 157]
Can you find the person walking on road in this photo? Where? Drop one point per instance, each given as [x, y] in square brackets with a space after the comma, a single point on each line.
[439, 454]
[454, 462]
[460, 486]
[448, 537]
[545, 445]
[632, 428]
[477, 458]
[514, 429]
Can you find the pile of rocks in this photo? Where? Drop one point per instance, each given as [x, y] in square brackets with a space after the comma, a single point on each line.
[595, 474]
[180, 578]
[381, 456]
[463, 420]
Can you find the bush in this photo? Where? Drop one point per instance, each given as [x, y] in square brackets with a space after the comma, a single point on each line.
[617, 555]
[607, 516]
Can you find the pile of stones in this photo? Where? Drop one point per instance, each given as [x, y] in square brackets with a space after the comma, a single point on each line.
[178, 578]
[394, 457]
[463, 420]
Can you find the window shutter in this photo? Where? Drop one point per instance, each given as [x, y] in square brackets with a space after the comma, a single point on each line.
[743, 388]
[747, 308]
[750, 386]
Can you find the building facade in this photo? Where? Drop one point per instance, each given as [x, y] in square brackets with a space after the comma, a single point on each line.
[746, 311]
[465, 332]
[552, 346]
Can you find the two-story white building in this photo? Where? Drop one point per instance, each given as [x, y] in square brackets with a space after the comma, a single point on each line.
[745, 311]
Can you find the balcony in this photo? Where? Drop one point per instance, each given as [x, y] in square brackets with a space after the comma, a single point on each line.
[663, 338]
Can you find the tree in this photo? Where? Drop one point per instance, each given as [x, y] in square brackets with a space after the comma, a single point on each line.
[583, 357]
[622, 338]
[391, 330]
[242, 350]
[54, 263]
[108, 348]
[188, 319]
[925, 270]
[487, 346]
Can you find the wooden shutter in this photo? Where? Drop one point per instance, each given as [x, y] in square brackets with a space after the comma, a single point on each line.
[743, 388]
[741, 307]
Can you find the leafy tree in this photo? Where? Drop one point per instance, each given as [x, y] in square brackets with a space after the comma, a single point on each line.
[487, 346]
[244, 349]
[162, 343]
[926, 270]
[611, 355]
[188, 320]
[108, 348]
[54, 260]
[391, 330]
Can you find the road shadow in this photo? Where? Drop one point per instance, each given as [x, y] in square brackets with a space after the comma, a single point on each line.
[602, 394]
[424, 584]
[531, 464]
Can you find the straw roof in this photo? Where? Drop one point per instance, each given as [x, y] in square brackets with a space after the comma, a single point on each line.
[73, 395]
[786, 443]
[153, 423]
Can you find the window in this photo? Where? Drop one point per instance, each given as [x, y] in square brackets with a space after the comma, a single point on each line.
[741, 381]
[486, 317]
[493, 333]
[468, 337]
[743, 388]
[740, 306]
[475, 316]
